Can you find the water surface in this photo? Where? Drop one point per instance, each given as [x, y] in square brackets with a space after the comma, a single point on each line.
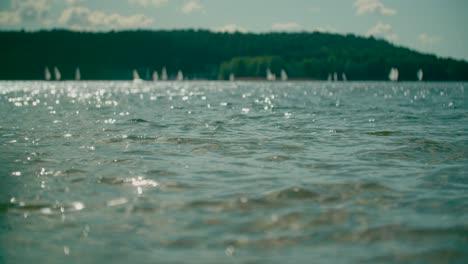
[240, 172]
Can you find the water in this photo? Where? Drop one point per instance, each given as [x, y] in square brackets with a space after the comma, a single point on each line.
[233, 172]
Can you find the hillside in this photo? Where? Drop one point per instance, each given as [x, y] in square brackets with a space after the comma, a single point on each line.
[203, 54]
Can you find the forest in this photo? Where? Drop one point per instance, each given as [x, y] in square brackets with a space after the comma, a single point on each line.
[202, 54]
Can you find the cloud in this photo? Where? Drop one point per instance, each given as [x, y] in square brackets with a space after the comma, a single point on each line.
[191, 6]
[372, 6]
[383, 31]
[147, 3]
[9, 18]
[231, 28]
[288, 26]
[426, 39]
[32, 10]
[29, 11]
[326, 29]
[74, 2]
[81, 18]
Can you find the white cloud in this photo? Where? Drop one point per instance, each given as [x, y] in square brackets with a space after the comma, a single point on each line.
[288, 26]
[191, 6]
[382, 30]
[32, 10]
[372, 6]
[146, 3]
[426, 39]
[81, 18]
[74, 2]
[27, 11]
[231, 28]
[326, 29]
[9, 18]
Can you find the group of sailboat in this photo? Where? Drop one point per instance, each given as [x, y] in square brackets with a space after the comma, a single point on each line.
[272, 77]
[334, 77]
[156, 77]
[394, 74]
[58, 75]
[48, 75]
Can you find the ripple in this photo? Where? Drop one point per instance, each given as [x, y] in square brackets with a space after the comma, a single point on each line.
[277, 158]
[402, 232]
[47, 209]
[383, 133]
[268, 243]
[135, 181]
[73, 171]
[433, 256]
[138, 120]
[292, 193]
[161, 173]
[111, 180]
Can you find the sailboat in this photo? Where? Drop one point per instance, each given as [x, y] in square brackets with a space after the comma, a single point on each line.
[335, 77]
[77, 74]
[393, 75]
[155, 76]
[270, 75]
[329, 78]
[164, 74]
[180, 76]
[232, 77]
[57, 74]
[284, 75]
[343, 76]
[136, 77]
[47, 75]
[420, 74]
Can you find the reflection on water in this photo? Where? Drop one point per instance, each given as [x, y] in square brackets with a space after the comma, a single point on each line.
[244, 172]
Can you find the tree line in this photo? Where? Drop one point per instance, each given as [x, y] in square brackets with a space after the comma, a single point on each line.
[202, 54]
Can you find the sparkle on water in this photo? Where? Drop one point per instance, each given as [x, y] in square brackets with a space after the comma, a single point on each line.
[242, 172]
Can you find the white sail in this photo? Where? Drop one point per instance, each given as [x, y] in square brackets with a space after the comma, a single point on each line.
[57, 74]
[232, 77]
[155, 76]
[343, 76]
[180, 76]
[77, 74]
[335, 76]
[270, 76]
[136, 76]
[420, 74]
[393, 75]
[329, 78]
[47, 75]
[284, 75]
[164, 74]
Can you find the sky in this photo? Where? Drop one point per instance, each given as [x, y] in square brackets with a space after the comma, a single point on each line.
[429, 26]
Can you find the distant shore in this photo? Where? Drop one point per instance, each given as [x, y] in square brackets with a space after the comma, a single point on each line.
[202, 54]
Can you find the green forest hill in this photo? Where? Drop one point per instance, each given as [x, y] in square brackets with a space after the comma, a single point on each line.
[202, 54]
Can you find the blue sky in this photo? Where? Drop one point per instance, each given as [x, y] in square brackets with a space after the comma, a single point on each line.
[433, 26]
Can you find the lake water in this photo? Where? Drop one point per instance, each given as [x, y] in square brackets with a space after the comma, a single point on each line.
[233, 172]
